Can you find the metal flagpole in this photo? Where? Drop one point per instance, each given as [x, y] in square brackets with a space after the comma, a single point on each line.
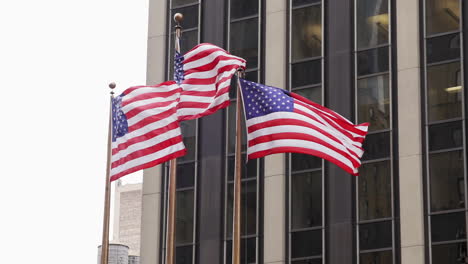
[105, 225]
[236, 240]
[170, 247]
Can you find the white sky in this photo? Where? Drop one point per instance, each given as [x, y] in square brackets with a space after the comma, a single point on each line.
[56, 60]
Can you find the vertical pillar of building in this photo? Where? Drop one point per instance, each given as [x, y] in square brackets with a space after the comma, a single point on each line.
[409, 132]
[339, 187]
[151, 200]
[274, 183]
[211, 154]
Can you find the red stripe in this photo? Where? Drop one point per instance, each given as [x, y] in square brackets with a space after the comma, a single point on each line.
[319, 154]
[202, 54]
[201, 94]
[206, 112]
[150, 164]
[212, 65]
[212, 80]
[150, 95]
[144, 137]
[131, 89]
[135, 111]
[191, 104]
[146, 151]
[151, 119]
[293, 122]
[305, 137]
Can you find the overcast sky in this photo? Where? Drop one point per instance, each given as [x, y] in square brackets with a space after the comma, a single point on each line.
[56, 60]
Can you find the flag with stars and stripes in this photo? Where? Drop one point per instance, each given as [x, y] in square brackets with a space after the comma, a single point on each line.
[204, 74]
[145, 128]
[279, 121]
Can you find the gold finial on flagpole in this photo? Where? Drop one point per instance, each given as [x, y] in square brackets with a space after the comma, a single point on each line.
[178, 17]
[112, 85]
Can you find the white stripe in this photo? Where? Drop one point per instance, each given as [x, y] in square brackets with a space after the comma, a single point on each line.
[150, 112]
[213, 72]
[144, 102]
[302, 130]
[300, 144]
[148, 158]
[351, 145]
[144, 130]
[150, 89]
[195, 98]
[199, 49]
[146, 144]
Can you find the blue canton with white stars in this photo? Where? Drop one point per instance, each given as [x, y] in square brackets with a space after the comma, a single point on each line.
[119, 120]
[178, 67]
[260, 100]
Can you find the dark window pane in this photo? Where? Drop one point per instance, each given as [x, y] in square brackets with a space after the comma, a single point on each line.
[306, 199]
[244, 41]
[306, 73]
[306, 32]
[184, 217]
[176, 3]
[308, 261]
[312, 93]
[374, 102]
[444, 91]
[442, 16]
[449, 254]
[375, 235]
[249, 169]
[445, 136]
[304, 2]
[448, 227]
[372, 61]
[231, 128]
[304, 162]
[382, 257]
[243, 8]
[184, 255]
[189, 130]
[190, 17]
[249, 208]
[252, 76]
[443, 48]
[376, 146]
[248, 250]
[375, 191]
[446, 181]
[185, 175]
[372, 23]
[306, 244]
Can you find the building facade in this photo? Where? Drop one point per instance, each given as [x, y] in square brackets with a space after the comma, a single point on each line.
[397, 64]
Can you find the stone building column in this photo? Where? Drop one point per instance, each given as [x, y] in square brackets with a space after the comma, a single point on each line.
[409, 132]
[274, 240]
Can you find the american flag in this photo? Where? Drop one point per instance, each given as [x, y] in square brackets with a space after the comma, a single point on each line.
[204, 73]
[279, 121]
[145, 128]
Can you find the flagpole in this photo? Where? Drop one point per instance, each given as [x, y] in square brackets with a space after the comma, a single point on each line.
[236, 243]
[105, 225]
[170, 240]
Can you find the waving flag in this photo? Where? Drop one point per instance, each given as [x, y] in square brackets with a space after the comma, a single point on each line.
[145, 128]
[279, 121]
[204, 73]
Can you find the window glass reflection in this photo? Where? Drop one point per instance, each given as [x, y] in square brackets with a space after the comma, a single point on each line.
[243, 8]
[190, 17]
[306, 73]
[448, 253]
[375, 235]
[306, 243]
[183, 255]
[382, 257]
[445, 136]
[446, 227]
[306, 199]
[442, 16]
[443, 48]
[176, 3]
[444, 91]
[374, 102]
[185, 175]
[312, 93]
[248, 207]
[304, 2]
[189, 129]
[447, 181]
[372, 61]
[376, 146]
[372, 23]
[301, 162]
[244, 40]
[375, 191]
[184, 217]
[306, 34]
